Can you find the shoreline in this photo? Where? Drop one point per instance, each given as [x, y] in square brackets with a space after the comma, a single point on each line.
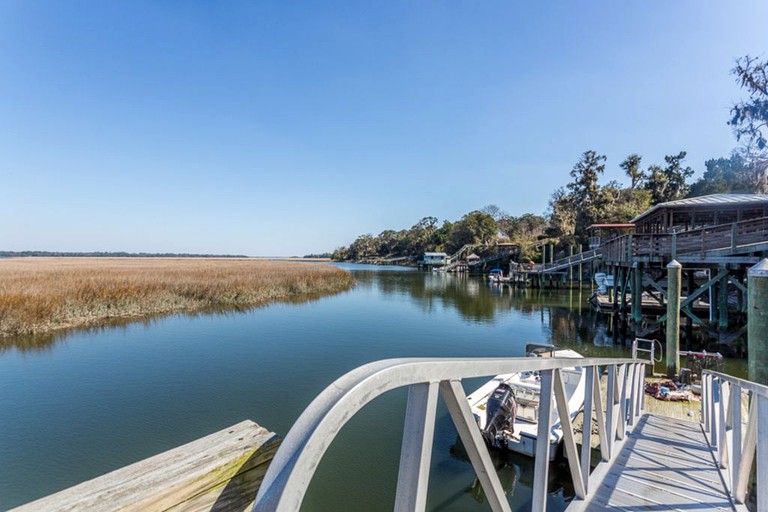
[41, 296]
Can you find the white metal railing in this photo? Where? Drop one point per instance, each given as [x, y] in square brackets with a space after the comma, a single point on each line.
[291, 471]
[733, 446]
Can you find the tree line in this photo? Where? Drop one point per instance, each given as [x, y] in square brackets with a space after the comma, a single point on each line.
[584, 200]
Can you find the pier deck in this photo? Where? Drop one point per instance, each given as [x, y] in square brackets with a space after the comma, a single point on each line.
[665, 464]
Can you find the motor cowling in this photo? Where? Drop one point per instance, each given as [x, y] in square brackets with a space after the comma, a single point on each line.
[500, 412]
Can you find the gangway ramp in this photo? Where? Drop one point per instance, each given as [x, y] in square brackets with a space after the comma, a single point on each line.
[665, 464]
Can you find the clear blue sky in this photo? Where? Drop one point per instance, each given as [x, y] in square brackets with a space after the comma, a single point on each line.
[282, 128]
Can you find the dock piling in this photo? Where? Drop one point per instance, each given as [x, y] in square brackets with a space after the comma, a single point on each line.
[674, 281]
[757, 322]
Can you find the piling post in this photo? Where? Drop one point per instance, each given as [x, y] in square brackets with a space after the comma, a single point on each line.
[674, 281]
[570, 266]
[757, 322]
[581, 258]
[722, 304]
[637, 294]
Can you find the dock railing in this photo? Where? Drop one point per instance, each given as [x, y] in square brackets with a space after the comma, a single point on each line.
[743, 236]
[735, 447]
[291, 471]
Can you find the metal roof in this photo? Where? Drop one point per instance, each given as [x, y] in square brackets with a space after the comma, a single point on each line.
[612, 225]
[712, 200]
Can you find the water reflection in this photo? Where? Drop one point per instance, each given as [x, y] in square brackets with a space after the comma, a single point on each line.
[121, 392]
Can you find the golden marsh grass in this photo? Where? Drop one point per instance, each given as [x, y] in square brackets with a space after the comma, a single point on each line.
[40, 295]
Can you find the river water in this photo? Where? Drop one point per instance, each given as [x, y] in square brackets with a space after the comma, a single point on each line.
[78, 405]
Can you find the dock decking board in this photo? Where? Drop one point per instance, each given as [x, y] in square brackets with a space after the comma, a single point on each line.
[665, 464]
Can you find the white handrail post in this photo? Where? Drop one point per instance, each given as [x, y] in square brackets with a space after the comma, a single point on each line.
[586, 428]
[541, 465]
[736, 435]
[456, 400]
[715, 401]
[762, 451]
[569, 440]
[722, 445]
[610, 406]
[633, 395]
[748, 453]
[704, 401]
[641, 389]
[416, 450]
[622, 420]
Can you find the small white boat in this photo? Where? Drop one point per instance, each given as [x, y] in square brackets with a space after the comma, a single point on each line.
[496, 275]
[507, 407]
[603, 282]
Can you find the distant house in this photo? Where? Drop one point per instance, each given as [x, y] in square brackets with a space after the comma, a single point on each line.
[435, 258]
[472, 258]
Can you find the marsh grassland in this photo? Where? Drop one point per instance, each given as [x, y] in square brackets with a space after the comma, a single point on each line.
[39, 295]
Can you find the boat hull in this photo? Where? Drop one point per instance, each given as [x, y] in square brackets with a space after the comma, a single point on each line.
[523, 439]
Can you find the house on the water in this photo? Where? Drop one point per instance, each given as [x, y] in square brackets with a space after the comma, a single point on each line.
[435, 259]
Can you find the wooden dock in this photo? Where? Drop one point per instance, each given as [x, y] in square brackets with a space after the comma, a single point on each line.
[222, 471]
[664, 464]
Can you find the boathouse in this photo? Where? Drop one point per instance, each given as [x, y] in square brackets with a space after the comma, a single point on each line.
[700, 212]
[711, 242]
[435, 259]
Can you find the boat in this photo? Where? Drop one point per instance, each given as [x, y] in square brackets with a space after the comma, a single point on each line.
[603, 282]
[507, 407]
[496, 275]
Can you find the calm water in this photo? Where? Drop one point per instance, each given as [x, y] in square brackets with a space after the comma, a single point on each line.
[78, 406]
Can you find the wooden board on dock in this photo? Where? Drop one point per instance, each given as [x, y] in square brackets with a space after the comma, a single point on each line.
[221, 471]
[651, 305]
[665, 464]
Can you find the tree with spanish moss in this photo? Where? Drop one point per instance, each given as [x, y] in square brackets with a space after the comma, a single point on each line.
[669, 182]
[585, 188]
[749, 118]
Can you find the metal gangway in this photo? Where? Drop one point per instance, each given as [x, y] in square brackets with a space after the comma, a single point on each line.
[625, 432]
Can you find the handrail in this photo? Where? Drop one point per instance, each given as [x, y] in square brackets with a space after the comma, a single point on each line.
[733, 448]
[695, 241]
[572, 260]
[291, 471]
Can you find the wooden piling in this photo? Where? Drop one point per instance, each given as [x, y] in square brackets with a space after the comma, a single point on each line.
[722, 303]
[674, 281]
[637, 295]
[757, 322]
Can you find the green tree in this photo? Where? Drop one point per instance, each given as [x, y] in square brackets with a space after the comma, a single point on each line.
[737, 174]
[562, 214]
[363, 246]
[669, 182]
[587, 197]
[442, 235]
[623, 204]
[475, 227]
[749, 118]
[525, 231]
[419, 237]
[631, 166]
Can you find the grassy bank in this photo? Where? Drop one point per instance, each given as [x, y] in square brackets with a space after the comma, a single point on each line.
[39, 295]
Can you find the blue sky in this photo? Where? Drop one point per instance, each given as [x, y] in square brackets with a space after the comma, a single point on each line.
[282, 128]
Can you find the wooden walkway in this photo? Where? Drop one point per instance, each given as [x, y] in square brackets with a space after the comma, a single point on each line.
[665, 464]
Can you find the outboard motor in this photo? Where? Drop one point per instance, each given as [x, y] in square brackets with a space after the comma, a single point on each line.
[500, 413]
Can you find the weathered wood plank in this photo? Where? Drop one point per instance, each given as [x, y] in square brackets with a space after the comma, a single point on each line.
[218, 472]
[665, 464]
